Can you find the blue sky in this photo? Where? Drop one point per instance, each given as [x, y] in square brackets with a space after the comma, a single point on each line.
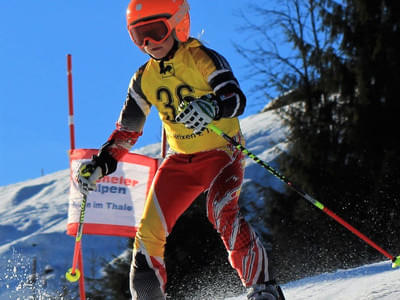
[36, 36]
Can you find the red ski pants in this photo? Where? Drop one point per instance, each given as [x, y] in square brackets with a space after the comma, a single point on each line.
[178, 182]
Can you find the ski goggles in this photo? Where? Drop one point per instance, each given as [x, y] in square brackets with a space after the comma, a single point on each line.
[156, 31]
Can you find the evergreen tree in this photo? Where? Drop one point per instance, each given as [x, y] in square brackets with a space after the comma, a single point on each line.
[342, 75]
[368, 30]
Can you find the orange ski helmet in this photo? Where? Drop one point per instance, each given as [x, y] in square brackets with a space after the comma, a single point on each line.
[174, 13]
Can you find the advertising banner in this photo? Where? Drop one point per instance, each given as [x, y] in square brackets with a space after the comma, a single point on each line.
[117, 204]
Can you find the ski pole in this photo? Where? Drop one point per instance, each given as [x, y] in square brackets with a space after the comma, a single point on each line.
[313, 201]
[73, 274]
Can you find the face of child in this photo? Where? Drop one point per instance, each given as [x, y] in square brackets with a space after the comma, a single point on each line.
[159, 51]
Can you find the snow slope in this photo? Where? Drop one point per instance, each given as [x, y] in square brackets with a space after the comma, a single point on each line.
[33, 219]
[370, 282]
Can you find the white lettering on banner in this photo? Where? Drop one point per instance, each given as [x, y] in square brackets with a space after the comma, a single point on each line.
[110, 189]
[94, 205]
[111, 205]
[107, 205]
[118, 199]
[118, 180]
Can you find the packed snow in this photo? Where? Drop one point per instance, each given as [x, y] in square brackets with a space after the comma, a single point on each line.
[35, 251]
[370, 282]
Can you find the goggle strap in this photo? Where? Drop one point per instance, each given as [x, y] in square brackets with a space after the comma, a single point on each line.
[179, 15]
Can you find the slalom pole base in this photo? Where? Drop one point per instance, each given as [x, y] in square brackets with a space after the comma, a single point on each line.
[396, 262]
[73, 277]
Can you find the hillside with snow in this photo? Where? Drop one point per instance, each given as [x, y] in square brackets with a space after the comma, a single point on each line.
[33, 220]
[371, 282]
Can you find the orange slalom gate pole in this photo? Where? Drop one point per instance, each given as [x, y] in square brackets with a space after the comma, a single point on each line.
[75, 273]
[82, 293]
[70, 103]
[163, 142]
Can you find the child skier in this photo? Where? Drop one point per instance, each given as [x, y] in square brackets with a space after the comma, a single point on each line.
[191, 86]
